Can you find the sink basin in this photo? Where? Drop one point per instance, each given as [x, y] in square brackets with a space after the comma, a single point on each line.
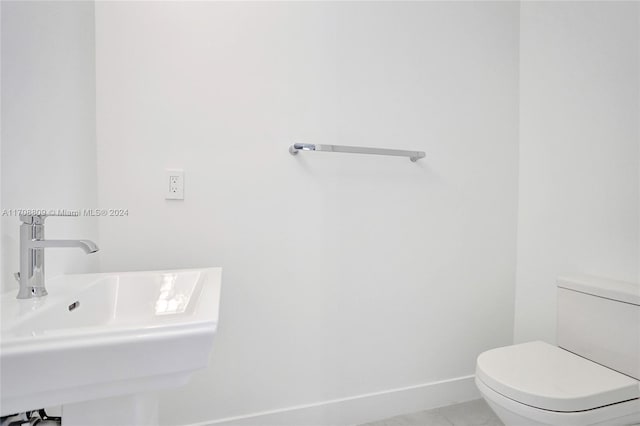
[99, 336]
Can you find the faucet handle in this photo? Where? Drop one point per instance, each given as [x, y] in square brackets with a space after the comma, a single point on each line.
[38, 219]
[35, 219]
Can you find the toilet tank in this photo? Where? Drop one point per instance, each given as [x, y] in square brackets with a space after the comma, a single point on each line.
[599, 319]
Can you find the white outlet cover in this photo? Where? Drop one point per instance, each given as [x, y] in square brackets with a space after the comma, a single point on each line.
[174, 184]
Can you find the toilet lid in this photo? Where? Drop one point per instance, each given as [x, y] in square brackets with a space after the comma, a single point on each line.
[547, 377]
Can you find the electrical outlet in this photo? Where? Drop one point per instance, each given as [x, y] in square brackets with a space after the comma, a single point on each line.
[174, 181]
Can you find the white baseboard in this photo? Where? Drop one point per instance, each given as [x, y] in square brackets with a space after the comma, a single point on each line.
[361, 408]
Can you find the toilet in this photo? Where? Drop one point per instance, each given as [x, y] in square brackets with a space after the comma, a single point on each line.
[591, 378]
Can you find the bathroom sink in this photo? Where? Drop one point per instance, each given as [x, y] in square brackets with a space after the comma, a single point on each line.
[98, 336]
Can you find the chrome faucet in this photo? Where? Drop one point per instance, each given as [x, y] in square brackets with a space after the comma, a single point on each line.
[32, 245]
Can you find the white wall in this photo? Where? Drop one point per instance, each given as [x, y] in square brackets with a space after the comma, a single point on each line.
[579, 150]
[48, 126]
[1, 232]
[342, 274]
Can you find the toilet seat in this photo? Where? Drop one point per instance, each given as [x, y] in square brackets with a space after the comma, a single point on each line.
[546, 377]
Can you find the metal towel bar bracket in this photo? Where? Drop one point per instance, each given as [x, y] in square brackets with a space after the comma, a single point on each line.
[413, 155]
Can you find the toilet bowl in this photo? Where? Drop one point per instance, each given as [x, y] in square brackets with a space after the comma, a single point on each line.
[591, 378]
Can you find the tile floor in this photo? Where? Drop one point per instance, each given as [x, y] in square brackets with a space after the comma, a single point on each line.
[472, 413]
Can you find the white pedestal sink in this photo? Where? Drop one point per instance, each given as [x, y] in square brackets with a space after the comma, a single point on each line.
[100, 345]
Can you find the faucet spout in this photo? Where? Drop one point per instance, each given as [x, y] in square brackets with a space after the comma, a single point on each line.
[87, 245]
